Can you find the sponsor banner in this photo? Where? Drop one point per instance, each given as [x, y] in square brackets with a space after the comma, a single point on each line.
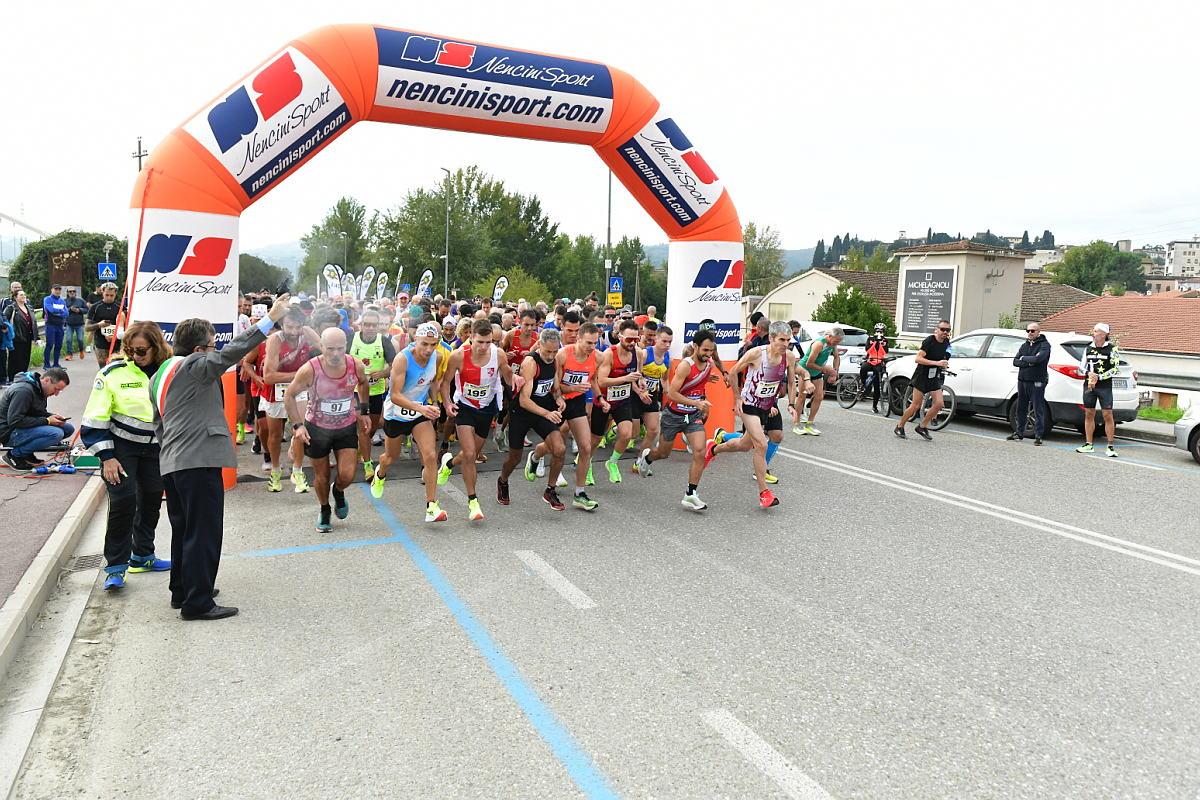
[704, 282]
[364, 283]
[349, 286]
[464, 79]
[272, 121]
[381, 285]
[188, 267]
[665, 160]
[425, 285]
[500, 288]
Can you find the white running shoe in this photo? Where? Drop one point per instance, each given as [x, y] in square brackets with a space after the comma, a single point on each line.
[693, 502]
[561, 482]
[574, 446]
[377, 439]
[541, 467]
[266, 466]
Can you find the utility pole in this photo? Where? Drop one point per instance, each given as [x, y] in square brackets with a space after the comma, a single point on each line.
[607, 243]
[446, 252]
[140, 153]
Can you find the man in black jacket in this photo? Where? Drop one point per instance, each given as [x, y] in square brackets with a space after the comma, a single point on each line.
[26, 425]
[1031, 360]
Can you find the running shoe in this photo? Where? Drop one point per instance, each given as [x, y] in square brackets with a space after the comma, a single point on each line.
[923, 433]
[583, 501]
[377, 439]
[148, 564]
[810, 430]
[340, 506]
[445, 470]
[368, 469]
[474, 512]
[769, 478]
[1086, 447]
[710, 452]
[899, 431]
[550, 496]
[614, 471]
[499, 438]
[377, 486]
[641, 466]
[502, 491]
[256, 448]
[590, 480]
[766, 499]
[719, 435]
[541, 467]
[115, 580]
[609, 436]
[1110, 451]
[275, 481]
[561, 482]
[324, 525]
[530, 469]
[241, 434]
[574, 446]
[693, 502]
[434, 513]
[266, 465]
[799, 430]
[299, 481]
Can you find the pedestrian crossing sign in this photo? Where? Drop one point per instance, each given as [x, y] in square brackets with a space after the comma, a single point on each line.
[107, 270]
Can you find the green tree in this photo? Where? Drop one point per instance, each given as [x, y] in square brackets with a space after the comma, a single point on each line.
[878, 262]
[324, 243]
[818, 259]
[32, 265]
[255, 274]
[849, 305]
[1098, 266]
[854, 260]
[520, 284]
[580, 267]
[1025, 245]
[521, 233]
[764, 259]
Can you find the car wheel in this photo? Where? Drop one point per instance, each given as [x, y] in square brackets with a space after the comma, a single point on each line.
[1194, 447]
[1031, 420]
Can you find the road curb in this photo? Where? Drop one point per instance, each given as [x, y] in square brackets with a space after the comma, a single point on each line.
[1149, 438]
[22, 607]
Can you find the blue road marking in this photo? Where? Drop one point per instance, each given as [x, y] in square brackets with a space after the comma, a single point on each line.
[577, 763]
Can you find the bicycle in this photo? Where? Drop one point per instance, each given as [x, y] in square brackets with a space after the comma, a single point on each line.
[949, 401]
[851, 389]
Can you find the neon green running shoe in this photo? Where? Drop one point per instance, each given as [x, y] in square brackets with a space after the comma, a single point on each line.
[474, 512]
[275, 481]
[614, 471]
[445, 470]
[377, 486]
[299, 481]
[368, 469]
[590, 480]
[530, 467]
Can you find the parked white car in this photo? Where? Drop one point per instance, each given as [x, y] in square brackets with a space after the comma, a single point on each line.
[852, 350]
[1187, 431]
[986, 380]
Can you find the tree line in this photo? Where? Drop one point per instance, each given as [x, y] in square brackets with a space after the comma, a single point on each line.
[852, 249]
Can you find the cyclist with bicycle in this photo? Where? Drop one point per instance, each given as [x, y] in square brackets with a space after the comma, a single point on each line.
[877, 352]
[933, 359]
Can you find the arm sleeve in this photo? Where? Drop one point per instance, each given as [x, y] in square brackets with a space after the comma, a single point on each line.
[1114, 360]
[95, 429]
[389, 350]
[18, 412]
[214, 363]
[1042, 357]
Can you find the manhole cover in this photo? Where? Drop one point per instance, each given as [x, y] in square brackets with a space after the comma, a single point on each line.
[81, 563]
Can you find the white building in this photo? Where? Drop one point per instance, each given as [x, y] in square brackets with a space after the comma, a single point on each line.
[1042, 259]
[1183, 257]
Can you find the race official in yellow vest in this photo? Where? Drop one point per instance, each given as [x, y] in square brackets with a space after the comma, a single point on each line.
[118, 427]
[374, 352]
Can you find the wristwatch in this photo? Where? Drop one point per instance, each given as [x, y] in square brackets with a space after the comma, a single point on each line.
[297, 426]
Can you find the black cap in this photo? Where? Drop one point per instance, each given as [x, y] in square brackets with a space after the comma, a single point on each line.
[56, 286]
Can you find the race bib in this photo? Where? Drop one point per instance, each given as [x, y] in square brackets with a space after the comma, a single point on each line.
[335, 408]
[767, 389]
[619, 391]
[933, 372]
[542, 388]
[571, 378]
[474, 391]
[406, 414]
[653, 385]
[108, 331]
[281, 391]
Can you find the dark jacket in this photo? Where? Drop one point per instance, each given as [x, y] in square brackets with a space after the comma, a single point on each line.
[76, 310]
[23, 405]
[1032, 359]
[24, 329]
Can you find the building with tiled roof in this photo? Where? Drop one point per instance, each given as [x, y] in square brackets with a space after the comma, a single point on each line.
[1041, 300]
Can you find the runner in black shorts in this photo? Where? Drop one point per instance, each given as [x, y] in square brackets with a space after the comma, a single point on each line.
[620, 378]
[932, 360]
[539, 409]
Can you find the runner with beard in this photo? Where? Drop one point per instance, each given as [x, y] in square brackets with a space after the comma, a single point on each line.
[619, 376]
[569, 327]
[410, 411]
[540, 407]
[477, 374]
[656, 365]
[375, 354]
[687, 408]
[282, 355]
[516, 343]
[337, 408]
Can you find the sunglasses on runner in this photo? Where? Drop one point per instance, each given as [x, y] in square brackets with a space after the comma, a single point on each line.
[944, 330]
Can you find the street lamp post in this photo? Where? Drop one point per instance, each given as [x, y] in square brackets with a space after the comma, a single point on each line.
[446, 252]
[345, 250]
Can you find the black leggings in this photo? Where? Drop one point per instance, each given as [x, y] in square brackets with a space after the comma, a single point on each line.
[18, 358]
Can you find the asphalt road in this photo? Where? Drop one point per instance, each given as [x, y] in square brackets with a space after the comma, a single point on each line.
[963, 618]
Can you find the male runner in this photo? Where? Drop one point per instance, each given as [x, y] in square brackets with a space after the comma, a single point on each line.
[477, 374]
[932, 361]
[375, 353]
[337, 408]
[539, 408]
[516, 344]
[619, 376]
[408, 411]
[569, 328]
[282, 354]
[654, 373]
[821, 373]
[687, 408]
[770, 370]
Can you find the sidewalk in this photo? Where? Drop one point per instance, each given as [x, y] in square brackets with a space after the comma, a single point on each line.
[30, 507]
[1147, 430]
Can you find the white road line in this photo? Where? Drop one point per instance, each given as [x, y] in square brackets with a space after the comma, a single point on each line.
[976, 435]
[1092, 538]
[550, 575]
[787, 777]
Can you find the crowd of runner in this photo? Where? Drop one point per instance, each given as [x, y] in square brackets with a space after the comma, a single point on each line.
[434, 380]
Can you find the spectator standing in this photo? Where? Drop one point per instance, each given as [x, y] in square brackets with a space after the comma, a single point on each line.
[195, 446]
[102, 322]
[10, 298]
[118, 427]
[54, 314]
[6, 346]
[1031, 361]
[25, 332]
[26, 424]
[1101, 362]
[76, 312]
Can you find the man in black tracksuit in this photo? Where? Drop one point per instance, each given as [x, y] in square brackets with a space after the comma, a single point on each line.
[1031, 360]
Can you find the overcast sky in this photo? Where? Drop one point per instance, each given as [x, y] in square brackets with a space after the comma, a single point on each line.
[819, 117]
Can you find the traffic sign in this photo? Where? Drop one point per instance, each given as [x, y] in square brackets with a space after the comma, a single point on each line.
[616, 284]
[107, 270]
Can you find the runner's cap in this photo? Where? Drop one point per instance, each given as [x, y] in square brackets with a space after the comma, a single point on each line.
[428, 329]
[1101, 326]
